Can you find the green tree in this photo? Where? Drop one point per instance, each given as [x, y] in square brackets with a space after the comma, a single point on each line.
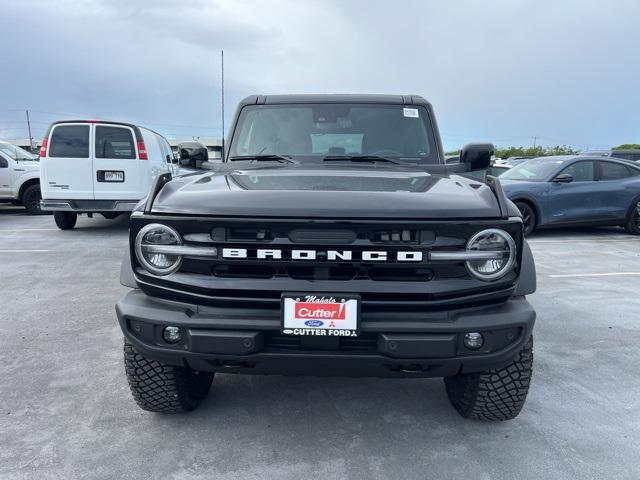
[627, 146]
[537, 151]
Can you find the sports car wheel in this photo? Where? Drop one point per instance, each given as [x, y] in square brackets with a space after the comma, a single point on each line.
[633, 224]
[528, 217]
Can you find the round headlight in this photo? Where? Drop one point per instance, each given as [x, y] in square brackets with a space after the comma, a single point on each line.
[491, 241]
[149, 242]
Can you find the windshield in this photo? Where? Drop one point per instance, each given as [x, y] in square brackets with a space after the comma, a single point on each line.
[310, 132]
[16, 153]
[534, 170]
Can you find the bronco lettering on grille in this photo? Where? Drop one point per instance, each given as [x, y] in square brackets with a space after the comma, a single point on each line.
[330, 255]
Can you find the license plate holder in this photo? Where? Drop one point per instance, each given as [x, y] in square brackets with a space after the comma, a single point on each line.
[111, 176]
[311, 314]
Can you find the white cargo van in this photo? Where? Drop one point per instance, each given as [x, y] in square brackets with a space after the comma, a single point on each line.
[90, 166]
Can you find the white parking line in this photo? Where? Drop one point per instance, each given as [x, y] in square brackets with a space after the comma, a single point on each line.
[24, 251]
[19, 230]
[610, 274]
[573, 240]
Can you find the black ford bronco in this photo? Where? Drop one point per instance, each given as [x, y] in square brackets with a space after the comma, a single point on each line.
[332, 240]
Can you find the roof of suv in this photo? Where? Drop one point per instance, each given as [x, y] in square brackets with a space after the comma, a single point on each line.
[335, 98]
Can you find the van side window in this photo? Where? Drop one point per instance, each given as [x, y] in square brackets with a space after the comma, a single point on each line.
[114, 142]
[70, 141]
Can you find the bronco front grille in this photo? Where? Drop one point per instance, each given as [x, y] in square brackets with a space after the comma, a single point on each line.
[382, 285]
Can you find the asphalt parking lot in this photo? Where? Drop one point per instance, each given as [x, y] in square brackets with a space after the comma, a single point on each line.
[66, 411]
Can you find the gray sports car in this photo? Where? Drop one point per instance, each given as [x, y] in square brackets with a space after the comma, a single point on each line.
[575, 190]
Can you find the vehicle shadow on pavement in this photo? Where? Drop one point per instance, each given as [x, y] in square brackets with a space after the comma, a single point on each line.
[101, 224]
[8, 209]
[327, 405]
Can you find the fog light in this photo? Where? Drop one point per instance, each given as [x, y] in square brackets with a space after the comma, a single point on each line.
[171, 334]
[473, 340]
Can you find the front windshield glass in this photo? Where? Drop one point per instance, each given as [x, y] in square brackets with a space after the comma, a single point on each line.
[16, 153]
[534, 170]
[309, 132]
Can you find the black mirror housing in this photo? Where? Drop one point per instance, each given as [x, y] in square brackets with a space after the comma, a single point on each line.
[477, 156]
[563, 178]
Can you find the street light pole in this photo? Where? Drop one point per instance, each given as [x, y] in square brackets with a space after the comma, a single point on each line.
[222, 96]
[29, 128]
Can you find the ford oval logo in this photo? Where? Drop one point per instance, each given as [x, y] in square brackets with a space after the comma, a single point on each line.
[314, 323]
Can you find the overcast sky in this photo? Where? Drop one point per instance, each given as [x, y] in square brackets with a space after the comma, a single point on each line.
[566, 72]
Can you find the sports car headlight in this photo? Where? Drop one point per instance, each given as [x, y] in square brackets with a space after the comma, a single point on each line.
[155, 246]
[494, 243]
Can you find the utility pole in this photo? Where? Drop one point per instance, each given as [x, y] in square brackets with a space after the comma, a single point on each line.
[29, 128]
[222, 96]
[535, 139]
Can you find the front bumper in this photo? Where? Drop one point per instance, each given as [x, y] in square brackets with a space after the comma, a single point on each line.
[249, 341]
[88, 205]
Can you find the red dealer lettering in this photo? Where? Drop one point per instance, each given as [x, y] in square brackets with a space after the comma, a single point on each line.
[328, 311]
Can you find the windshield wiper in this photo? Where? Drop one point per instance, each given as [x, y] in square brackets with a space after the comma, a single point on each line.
[359, 158]
[265, 158]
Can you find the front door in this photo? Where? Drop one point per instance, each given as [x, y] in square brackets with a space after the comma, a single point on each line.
[574, 202]
[5, 176]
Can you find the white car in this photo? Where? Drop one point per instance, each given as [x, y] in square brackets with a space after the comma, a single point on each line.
[19, 177]
[90, 166]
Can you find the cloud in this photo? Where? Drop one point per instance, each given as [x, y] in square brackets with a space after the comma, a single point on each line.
[505, 71]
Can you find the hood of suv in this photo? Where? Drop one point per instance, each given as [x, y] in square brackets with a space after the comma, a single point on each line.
[327, 191]
[28, 165]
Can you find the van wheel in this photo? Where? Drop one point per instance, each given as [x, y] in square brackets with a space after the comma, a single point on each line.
[65, 220]
[31, 199]
[633, 225]
[111, 215]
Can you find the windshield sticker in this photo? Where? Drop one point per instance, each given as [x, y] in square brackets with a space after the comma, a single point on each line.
[411, 112]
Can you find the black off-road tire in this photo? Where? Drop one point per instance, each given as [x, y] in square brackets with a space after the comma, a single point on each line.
[65, 220]
[162, 388]
[633, 224]
[31, 199]
[496, 394]
[529, 219]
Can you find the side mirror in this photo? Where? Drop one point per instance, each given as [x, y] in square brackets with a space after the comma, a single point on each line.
[4, 163]
[563, 178]
[477, 156]
[184, 157]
